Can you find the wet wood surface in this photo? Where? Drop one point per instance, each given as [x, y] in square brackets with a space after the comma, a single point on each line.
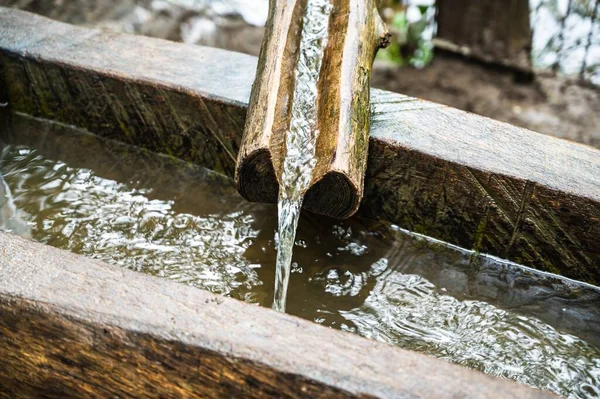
[455, 176]
[355, 33]
[71, 327]
[497, 32]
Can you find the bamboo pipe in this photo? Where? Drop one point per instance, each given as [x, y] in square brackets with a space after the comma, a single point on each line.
[356, 32]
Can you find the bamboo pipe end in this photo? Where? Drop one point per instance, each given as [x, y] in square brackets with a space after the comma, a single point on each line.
[334, 195]
[255, 177]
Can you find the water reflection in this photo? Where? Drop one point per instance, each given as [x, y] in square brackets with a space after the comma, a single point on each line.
[405, 310]
[10, 217]
[167, 218]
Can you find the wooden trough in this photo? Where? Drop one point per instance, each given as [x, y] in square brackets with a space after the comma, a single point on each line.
[455, 176]
[73, 327]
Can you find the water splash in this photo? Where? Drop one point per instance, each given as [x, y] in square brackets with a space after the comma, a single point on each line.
[301, 140]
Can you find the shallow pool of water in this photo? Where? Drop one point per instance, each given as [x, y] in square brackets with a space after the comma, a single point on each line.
[167, 218]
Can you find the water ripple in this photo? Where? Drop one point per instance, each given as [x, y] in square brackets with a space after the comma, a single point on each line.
[361, 277]
[405, 310]
[107, 220]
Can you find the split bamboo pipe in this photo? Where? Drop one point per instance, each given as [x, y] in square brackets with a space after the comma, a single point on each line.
[356, 31]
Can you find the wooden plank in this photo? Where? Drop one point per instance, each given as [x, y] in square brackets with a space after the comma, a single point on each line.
[190, 124]
[493, 31]
[74, 327]
[456, 176]
[485, 185]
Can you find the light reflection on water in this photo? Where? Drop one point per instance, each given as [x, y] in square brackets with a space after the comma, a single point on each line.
[74, 209]
[166, 218]
[405, 310]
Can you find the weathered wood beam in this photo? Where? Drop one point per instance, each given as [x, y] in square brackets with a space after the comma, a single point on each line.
[72, 327]
[459, 177]
[172, 111]
[355, 32]
[496, 32]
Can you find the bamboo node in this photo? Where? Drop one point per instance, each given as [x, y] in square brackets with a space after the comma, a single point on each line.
[385, 39]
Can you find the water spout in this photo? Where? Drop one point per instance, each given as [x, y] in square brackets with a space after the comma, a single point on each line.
[306, 136]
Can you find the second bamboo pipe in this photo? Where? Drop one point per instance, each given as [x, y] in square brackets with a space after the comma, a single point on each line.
[356, 31]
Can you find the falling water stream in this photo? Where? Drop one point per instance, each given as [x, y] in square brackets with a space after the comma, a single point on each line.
[300, 140]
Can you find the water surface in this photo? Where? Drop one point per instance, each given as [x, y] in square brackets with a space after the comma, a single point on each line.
[167, 218]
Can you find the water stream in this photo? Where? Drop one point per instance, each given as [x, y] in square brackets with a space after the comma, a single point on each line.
[300, 141]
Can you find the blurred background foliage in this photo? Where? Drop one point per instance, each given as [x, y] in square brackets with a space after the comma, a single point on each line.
[566, 35]
[412, 25]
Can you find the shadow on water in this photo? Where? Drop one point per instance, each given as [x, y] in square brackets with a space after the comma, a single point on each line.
[159, 215]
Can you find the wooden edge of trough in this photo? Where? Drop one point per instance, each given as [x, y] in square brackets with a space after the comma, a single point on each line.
[74, 327]
[462, 178]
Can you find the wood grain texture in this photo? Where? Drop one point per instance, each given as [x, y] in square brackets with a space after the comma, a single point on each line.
[497, 32]
[459, 177]
[72, 327]
[109, 101]
[485, 185]
[355, 33]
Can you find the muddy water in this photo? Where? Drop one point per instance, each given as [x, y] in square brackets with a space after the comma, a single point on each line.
[167, 218]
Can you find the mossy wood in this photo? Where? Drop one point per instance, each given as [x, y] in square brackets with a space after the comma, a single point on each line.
[72, 327]
[355, 33]
[459, 177]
